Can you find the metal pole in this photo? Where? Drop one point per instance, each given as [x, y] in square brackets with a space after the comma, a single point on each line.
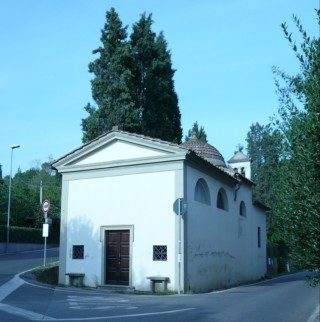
[179, 244]
[45, 251]
[40, 192]
[9, 205]
[9, 198]
[45, 243]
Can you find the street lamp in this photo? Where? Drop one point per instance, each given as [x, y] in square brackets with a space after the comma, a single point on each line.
[16, 146]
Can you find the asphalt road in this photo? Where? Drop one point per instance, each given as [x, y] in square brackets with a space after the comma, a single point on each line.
[11, 264]
[285, 299]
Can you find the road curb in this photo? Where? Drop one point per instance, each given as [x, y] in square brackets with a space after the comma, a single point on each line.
[315, 316]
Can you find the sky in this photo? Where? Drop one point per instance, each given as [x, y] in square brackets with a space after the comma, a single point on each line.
[222, 50]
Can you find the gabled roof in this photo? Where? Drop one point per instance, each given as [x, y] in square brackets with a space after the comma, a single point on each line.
[174, 152]
[117, 135]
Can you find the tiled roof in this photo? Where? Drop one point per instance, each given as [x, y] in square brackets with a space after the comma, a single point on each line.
[98, 138]
[239, 157]
[205, 151]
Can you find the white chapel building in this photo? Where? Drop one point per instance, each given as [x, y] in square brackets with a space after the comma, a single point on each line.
[135, 207]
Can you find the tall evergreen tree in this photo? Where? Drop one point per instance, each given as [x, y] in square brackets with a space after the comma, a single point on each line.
[199, 132]
[133, 83]
[112, 83]
[155, 96]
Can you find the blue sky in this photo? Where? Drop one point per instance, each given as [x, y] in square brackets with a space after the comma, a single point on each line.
[222, 50]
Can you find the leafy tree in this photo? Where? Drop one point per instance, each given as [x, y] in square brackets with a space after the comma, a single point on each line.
[264, 146]
[25, 200]
[198, 132]
[298, 212]
[133, 84]
[112, 83]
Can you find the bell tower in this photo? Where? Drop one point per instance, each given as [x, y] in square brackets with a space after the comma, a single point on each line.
[241, 163]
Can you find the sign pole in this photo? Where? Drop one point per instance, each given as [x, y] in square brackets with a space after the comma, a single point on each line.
[180, 207]
[45, 243]
[179, 244]
[45, 229]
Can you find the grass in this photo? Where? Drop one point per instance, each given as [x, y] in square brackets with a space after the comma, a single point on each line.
[47, 274]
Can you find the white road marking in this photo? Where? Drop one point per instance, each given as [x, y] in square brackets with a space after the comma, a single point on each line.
[24, 313]
[314, 315]
[109, 317]
[41, 317]
[7, 288]
[98, 303]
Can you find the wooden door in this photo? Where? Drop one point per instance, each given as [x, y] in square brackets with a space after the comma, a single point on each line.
[117, 256]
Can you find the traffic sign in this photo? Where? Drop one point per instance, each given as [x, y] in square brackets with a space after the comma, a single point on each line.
[180, 206]
[46, 206]
[45, 230]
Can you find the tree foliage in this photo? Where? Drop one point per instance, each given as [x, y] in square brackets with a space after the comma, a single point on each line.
[298, 211]
[286, 155]
[264, 146]
[133, 83]
[198, 132]
[112, 83]
[25, 197]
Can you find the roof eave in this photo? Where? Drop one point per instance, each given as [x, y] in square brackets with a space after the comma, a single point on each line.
[192, 156]
[261, 205]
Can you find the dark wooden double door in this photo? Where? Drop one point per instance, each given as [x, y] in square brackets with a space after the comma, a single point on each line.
[117, 256]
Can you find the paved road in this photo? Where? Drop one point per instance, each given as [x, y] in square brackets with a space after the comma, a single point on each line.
[11, 264]
[286, 299]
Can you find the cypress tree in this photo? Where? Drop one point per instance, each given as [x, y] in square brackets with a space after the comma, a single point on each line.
[155, 96]
[199, 132]
[112, 83]
[133, 85]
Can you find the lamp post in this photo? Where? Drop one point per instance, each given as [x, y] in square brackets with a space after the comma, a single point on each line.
[16, 146]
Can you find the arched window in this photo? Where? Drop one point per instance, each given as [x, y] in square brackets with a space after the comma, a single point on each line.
[201, 192]
[222, 200]
[242, 209]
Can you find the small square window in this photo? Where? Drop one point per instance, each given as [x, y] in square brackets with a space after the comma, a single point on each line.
[159, 253]
[77, 251]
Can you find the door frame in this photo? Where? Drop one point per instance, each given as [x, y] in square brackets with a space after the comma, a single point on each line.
[103, 230]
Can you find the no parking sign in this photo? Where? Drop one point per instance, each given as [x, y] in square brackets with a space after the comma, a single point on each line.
[46, 206]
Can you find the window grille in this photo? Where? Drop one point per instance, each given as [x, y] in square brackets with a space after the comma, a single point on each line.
[159, 253]
[77, 252]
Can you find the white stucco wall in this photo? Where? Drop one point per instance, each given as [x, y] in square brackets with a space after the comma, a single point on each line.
[245, 164]
[119, 150]
[221, 245]
[141, 200]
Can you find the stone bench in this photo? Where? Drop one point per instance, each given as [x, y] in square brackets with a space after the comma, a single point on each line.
[158, 279]
[76, 279]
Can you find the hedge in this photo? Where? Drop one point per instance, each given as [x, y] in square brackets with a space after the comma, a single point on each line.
[27, 235]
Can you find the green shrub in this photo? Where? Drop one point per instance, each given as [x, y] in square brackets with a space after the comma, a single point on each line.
[48, 274]
[29, 235]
